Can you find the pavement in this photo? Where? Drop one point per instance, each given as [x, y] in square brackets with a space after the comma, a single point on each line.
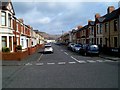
[109, 57]
[30, 58]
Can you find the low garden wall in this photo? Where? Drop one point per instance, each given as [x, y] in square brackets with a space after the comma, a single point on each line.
[111, 51]
[15, 55]
[20, 54]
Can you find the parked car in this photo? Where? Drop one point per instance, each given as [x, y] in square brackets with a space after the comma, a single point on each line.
[48, 49]
[47, 43]
[89, 50]
[58, 43]
[70, 46]
[77, 47]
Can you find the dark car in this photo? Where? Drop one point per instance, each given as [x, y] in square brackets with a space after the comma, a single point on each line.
[83, 49]
[90, 50]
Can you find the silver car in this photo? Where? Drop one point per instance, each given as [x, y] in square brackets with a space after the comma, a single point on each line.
[48, 48]
[90, 50]
[77, 47]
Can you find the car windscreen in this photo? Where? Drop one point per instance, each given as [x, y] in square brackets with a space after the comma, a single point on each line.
[47, 46]
[72, 44]
[77, 45]
[94, 47]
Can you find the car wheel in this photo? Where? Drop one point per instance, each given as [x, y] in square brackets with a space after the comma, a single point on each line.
[85, 54]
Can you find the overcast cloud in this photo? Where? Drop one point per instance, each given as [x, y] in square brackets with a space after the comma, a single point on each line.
[53, 17]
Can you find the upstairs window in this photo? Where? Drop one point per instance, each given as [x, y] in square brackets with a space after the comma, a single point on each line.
[100, 28]
[3, 18]
[97, 29]
[92, 31]
[115, 25]
[9, 20]
[106, 27]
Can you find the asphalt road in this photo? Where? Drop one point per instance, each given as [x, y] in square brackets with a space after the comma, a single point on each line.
[62, 69]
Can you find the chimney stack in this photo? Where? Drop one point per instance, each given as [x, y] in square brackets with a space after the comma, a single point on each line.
[97, 15]
[110, 9]
[21, 20]
[79, 27]
[89, 21]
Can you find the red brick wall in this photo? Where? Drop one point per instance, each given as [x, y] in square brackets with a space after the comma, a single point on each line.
[15, 55]
[14, 24]
[20, 55]
[19, 27]
[31, 50]
[78, 35]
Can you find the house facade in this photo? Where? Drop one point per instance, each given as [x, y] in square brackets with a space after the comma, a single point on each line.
[78, 34]
[6, 27]
[73, 33]
[92, 33]
[104, 31]
[111, 28]
[98, 30]
[14, 32]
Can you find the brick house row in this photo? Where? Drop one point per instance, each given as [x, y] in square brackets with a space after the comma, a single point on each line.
[104, 30]
[14, 32]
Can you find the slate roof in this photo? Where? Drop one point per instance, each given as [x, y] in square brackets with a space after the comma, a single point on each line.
[109, 16]
[3, 5]
[91, 23]
[83, 28]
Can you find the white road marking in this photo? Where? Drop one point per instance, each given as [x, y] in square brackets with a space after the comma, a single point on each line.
[71, 62]
[109, 61]
[75, 59]
[100, 60]
[40, 58]
[50, 63]
[61, 62]
[66, 53]
[28, 64]
[81, 61]
[39, 63]
[91, 61]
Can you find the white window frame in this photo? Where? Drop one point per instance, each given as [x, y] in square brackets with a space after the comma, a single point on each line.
[3, 16]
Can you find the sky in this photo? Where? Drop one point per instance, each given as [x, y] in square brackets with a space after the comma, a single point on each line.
[55, 17]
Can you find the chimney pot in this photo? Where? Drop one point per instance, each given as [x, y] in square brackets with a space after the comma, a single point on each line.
[79, 27]
[21, 20]
[97, 15]
[110, 9]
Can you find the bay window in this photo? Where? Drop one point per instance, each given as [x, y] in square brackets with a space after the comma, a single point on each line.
[3, 18]
[4, 41]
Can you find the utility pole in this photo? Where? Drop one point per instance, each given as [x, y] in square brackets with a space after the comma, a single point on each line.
[62, 36]
[62, 32]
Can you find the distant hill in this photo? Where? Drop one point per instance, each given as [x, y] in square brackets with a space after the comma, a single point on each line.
[48, 36]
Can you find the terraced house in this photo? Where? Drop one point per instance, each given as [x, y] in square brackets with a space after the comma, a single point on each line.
[111, 28]
[104, 31]
[13, 31]
[6, 27]
[98, 30]
[92, 33]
